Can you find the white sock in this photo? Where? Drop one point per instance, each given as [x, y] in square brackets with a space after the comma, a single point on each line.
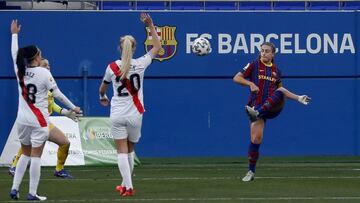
[131, 161]
[20, 171]
[35, 170]
[123, 164]
[131, 164]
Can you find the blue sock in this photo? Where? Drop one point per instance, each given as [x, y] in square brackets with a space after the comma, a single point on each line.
[253, 154]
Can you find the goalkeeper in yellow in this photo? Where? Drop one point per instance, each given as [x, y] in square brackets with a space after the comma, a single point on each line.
[55, 135]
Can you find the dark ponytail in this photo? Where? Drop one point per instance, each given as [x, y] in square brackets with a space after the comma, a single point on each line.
[25, 56]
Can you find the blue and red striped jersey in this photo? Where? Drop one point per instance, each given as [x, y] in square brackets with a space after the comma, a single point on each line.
[267, 78]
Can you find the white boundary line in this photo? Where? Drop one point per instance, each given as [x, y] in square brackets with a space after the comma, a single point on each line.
[195, 178]
[202, 199]
[212, 169]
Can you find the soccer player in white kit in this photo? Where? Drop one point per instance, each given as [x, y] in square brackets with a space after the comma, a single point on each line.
[33, 115]
[127, 106]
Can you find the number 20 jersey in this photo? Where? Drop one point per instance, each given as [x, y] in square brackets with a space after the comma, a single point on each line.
[127, 99]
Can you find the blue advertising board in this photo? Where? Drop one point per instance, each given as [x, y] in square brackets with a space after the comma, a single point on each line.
[308, 43]
[193, 99]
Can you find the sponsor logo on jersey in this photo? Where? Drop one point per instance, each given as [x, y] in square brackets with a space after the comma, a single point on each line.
[264, 77]
[167, 40]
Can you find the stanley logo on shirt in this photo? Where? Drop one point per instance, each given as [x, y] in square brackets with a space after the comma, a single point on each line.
[264, 77]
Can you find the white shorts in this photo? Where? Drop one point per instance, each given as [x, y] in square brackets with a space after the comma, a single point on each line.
[126, 127]
[34, 136]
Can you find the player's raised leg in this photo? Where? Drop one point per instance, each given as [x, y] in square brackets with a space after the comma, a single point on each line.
[271, 107]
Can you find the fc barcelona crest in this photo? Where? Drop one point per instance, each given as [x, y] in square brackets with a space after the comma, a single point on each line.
[167, 41]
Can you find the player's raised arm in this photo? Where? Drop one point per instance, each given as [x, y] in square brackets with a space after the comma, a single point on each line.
[147, 20]
[15, 29]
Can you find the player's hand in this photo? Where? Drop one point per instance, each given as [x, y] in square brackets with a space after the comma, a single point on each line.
[253, 88]
[104, 100]
[146, 19]
[304, 99]
[71, 114]
[78, 110]
[15, 28]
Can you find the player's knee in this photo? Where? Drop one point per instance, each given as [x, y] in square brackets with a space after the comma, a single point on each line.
[67, 142]
[256, 140]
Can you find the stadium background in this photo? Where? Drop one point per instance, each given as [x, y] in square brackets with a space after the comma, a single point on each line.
[192, 106]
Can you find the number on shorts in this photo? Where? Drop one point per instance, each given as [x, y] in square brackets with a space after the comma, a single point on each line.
[135, 85]
[31, 90]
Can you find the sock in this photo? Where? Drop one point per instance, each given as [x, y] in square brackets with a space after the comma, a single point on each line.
[253, 155]
[20, 171]
[17, 157]
[62, 154]
[35, 171]
[123, 164]
[131, 161]
[272, 103]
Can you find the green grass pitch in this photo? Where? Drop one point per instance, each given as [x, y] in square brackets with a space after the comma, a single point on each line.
[296, 179]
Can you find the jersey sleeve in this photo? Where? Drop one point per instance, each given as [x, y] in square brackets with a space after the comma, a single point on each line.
[49, 80]
[145, 60]
[246, 71]
[107, 76]
[14, 50]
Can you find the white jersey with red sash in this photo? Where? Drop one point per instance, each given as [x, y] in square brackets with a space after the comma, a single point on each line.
[128, 93]
[33, 92]
[33, 97]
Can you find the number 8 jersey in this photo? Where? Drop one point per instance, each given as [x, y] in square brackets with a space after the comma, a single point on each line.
[33, 92]
[128, 93]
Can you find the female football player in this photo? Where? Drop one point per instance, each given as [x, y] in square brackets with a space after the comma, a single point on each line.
[127, 106]
[55, 135]
[266, 98]
[32, 120]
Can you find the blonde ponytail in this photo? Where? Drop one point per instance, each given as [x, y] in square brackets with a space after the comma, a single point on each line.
[127, 44]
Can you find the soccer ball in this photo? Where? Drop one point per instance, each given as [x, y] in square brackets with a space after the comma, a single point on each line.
[201, 46]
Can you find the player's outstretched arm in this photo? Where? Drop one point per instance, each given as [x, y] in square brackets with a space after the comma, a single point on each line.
[15, 30]
[63, 99]
[65, 112]
[147, 20]
[239, 79]
[304, 99]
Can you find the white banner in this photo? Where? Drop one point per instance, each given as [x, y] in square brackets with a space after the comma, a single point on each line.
[49, 157]
[71, 131]
[11, 148]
